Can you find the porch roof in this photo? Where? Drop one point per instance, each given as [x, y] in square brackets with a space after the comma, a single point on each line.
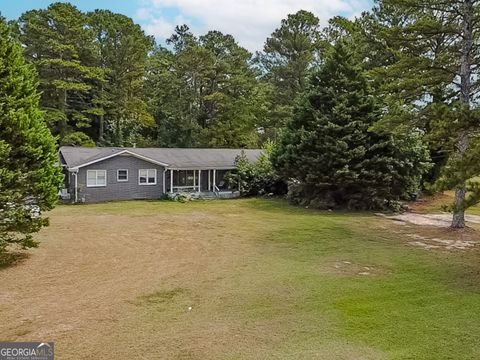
[171, 158]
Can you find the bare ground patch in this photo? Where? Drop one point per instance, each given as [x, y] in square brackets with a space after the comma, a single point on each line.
[350, 268]
[432, 231]
[441, 220]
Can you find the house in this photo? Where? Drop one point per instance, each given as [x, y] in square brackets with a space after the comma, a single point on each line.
[113, 173]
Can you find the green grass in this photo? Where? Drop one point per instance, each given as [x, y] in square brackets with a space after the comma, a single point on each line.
[292, 288]
[423, 306]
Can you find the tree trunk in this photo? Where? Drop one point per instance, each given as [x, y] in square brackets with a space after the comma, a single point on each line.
[458, 220]
[101, 125]
[101, 130]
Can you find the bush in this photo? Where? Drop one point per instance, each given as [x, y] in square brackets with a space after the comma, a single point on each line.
[179, 197]
[256, 178]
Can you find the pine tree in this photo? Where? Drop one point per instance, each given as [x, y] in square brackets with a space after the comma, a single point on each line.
[60, 45]
[436, 74]
[330, 153]
[123, 49]
[29, 174]
[204, 93]
[286, 61]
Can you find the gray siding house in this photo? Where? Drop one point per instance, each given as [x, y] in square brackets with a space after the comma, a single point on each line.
[108, 173]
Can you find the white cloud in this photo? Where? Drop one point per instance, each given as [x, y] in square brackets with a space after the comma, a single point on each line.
[249, 21]
[142, 14]
[161, 27]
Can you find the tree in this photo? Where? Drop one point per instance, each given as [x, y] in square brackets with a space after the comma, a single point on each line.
[286, 61]
[29, 174]
[233, 101]
[256, 178]
[205, 92]
[170, 102]
[122, 53]
[92, 68]
[436, 75]
[61, 46]
[329, 153]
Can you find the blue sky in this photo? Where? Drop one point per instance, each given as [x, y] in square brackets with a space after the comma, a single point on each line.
[250, 21]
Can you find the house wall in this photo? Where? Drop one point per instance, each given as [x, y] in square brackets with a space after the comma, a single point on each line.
[115, 190]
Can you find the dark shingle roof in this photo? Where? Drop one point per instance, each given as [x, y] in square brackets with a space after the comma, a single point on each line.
[174, 158]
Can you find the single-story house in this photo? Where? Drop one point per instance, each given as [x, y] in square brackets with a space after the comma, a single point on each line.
[116, 173]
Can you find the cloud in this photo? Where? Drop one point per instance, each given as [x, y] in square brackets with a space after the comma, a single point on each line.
[249, 21]
[162, 27]
[142, 14]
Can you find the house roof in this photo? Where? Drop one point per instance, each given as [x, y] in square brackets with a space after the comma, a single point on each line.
[174, 158]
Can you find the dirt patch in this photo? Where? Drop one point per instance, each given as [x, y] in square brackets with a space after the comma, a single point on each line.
[436, 243]
[159, 297]
[349, 268]
[431, 204]
[432, 231]
[441, 220]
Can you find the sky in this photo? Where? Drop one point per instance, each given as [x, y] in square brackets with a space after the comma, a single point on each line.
[249, 21]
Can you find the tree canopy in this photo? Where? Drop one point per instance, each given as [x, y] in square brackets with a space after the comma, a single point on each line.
[205, 87]
[29, 173]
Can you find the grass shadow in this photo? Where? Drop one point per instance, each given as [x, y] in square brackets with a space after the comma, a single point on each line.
[11, 258]
[159, 297]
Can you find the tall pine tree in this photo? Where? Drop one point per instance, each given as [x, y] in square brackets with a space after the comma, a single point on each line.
[29, 173]
[329, 153]
[286, 61]
[204, 93]
[436, 74]
[62, 48]
[122, 54]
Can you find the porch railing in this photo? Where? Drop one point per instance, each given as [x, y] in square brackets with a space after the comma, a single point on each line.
[188, 188]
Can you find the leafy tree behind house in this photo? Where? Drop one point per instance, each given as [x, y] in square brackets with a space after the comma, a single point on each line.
[256, 178]
[29, 174]
[330, 155]
[91, 68]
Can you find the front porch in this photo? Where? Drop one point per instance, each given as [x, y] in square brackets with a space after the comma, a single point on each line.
[206, 182]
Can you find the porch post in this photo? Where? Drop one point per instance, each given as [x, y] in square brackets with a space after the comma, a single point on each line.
[209, 185]
[199, 178]
[75, 174]
[194, 179]
[163, 182]
[214, 174]
[171, 181]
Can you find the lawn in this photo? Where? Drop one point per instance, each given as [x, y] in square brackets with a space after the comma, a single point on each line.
[240, 279]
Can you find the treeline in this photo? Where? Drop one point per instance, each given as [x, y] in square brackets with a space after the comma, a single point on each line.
[105, 82]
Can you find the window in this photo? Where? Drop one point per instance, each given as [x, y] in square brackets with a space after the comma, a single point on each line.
[96, 178]
[122, 175]
[185, 178]
[147, 176]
